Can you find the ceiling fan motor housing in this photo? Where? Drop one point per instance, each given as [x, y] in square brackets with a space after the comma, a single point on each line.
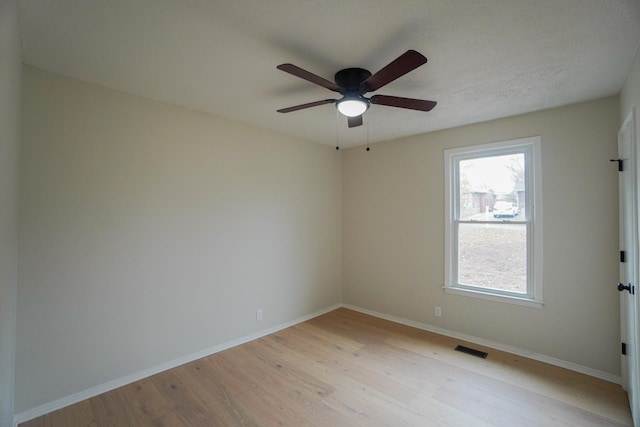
[350, 80]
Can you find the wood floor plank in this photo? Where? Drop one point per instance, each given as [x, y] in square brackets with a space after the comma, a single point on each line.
[285, 375]
[346, 368]
[338, 341]
[229, 407]
[208, 381]
[520, 408]
[197, 407]
[79, 414]
[347, 365]
[268, 404]
[146, 401]
[444, 415]
[112, 409]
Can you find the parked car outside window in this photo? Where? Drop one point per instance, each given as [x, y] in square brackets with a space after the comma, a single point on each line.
[504, 209]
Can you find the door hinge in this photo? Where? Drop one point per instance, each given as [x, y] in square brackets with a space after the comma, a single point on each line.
[620, 164]
[624, 348]
[623, 256]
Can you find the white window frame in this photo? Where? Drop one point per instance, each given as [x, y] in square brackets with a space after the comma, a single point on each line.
[531, 216]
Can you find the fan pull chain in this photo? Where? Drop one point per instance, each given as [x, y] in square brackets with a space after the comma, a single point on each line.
[337, 129]
[368, 148]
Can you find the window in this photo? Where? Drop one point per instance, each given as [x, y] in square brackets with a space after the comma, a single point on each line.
[494, 221]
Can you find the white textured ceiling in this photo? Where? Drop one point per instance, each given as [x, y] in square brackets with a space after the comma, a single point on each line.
[487, 59]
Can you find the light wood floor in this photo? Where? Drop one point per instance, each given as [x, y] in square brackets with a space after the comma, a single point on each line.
[349, 369]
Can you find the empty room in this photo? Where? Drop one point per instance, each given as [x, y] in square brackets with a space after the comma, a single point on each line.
[330, 213]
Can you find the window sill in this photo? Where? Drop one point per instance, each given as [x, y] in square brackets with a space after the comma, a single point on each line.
[487, 295]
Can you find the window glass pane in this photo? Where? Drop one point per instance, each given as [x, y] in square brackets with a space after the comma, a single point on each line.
[493, 256]
[492, 188]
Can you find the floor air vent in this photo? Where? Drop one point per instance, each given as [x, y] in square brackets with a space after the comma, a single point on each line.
[472, 351]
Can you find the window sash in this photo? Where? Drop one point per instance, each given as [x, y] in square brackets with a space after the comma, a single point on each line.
[489, 289]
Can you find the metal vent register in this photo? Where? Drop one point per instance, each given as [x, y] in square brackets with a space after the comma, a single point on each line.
[472, 351]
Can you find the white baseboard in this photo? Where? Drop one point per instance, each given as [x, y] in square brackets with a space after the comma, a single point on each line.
[498, 346]
[128, 379]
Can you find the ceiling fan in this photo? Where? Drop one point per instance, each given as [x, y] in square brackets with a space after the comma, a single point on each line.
[353, 83]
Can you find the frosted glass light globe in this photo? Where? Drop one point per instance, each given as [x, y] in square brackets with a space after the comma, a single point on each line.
[352, 107]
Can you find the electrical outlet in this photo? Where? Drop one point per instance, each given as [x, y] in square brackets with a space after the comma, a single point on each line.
[259, 314]
[438, 311]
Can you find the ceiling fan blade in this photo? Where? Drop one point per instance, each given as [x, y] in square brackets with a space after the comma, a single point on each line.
[308, 76]
[307, 105]
[409, 103]
[408, 61]
[354, 121]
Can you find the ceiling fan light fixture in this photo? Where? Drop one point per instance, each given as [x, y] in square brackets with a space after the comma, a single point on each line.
[352, 107]
[354, 83]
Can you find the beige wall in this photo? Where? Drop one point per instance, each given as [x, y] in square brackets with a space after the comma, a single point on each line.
[10, 78]
[150, 232]
[393, 235]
